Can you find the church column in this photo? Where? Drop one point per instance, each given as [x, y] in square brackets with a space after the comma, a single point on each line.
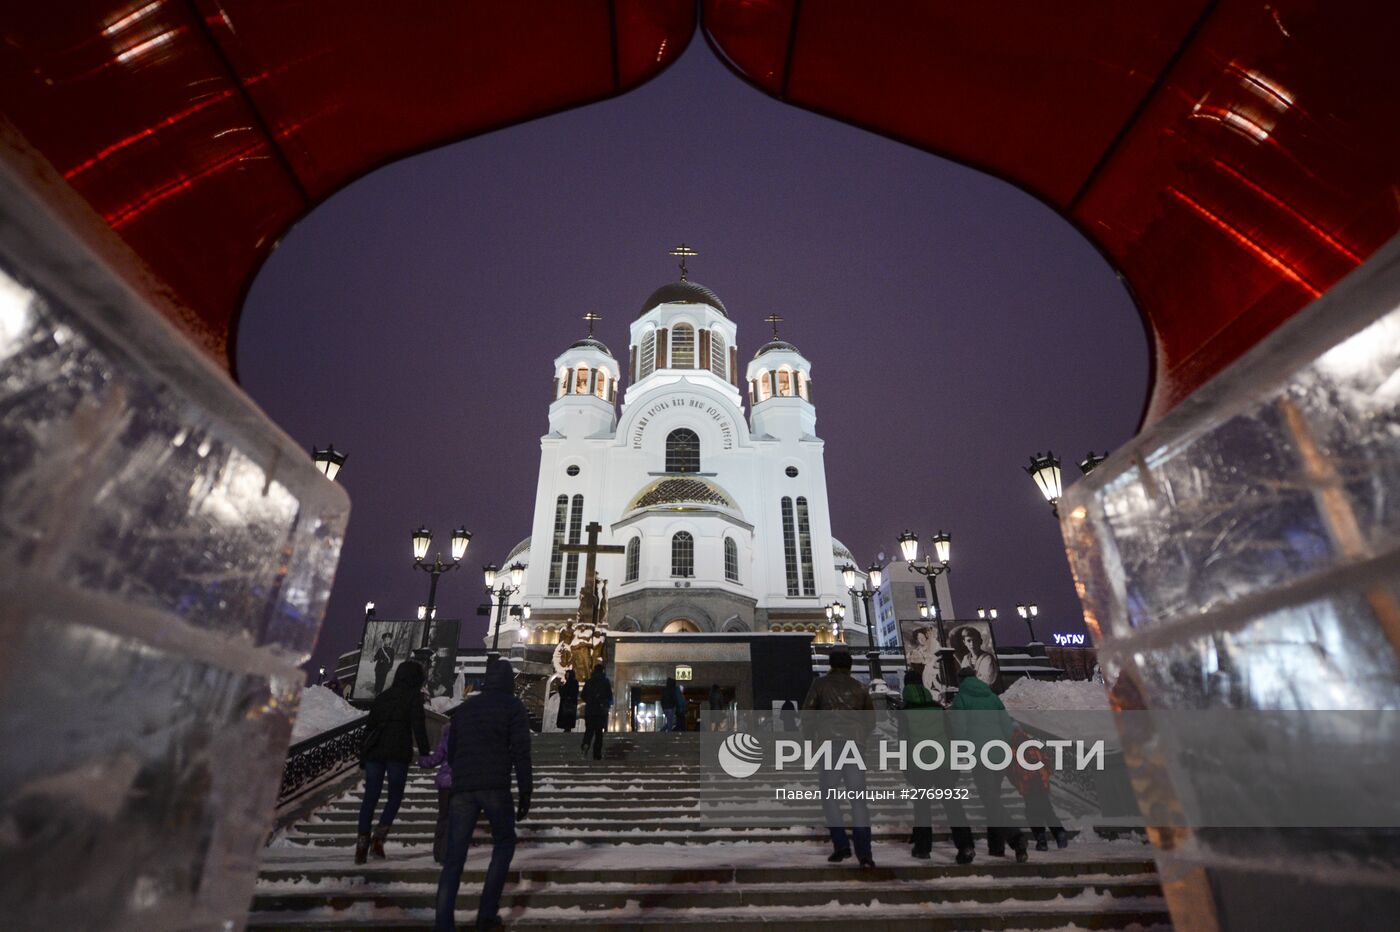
[702, 354]
[663, 358]
[734, 365]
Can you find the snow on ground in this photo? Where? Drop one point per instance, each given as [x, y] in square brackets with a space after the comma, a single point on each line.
[321, 710]
[1030, 695]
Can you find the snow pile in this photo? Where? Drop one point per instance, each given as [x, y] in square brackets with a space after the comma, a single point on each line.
[321, 710]
[1028, 695]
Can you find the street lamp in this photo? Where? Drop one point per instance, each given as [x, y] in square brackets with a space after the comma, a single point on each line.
[932, 566]
[1028, 611]
[422, 540]
[369, 609]
[328, 460]
[987, 613]
[502, 594]
[1091, 461]
[320, 675]
[864, 593]
[1045, 470]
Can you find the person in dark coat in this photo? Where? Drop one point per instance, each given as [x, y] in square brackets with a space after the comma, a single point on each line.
[395, 721]
[979, 716]
[717, 706]
[682, 709]
[568, 703]
[788, 715]
[923, 719]
[668, 704]
[848, 704]
[597, 700]
[489, 737]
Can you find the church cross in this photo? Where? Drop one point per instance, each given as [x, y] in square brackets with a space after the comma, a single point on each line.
[591, 317]
[774, 319]
[684, 252]
[592, 548]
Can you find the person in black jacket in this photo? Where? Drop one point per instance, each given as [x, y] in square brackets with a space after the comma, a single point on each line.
[489, 735]
[395, 721]
[568, 703]
[597, 700]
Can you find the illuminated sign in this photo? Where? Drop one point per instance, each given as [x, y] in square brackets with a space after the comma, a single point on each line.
[1069, 640]
[684, 673]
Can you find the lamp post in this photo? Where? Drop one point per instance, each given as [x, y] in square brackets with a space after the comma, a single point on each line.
[864, 593]
[1028, 611]
[422, 540]
[328, 460]
[835, 612]
[1045, 471]
[320, 675]
[502, 594]
[935, 564]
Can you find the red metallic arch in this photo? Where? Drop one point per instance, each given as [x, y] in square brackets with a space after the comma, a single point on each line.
[1232, 158]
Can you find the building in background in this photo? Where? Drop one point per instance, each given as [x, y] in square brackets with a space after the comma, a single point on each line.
[901, 591]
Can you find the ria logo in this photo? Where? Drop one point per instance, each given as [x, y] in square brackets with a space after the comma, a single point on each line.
[740, 755]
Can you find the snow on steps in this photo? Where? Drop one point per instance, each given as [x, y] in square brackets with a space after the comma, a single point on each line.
[610, 846]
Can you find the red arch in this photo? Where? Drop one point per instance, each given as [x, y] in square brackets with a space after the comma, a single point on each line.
[1232, 158]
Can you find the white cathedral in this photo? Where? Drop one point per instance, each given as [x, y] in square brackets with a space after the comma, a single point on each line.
[721, 513]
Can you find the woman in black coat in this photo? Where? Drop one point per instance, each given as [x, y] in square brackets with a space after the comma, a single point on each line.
[395, 721]
[568, 703]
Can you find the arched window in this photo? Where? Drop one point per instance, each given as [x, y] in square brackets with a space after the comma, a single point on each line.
[648, 354]
[731, 560]
[794, 583]
[682, 346]
[556, 556]
[804, 546]
[785, 383]
[581, 381]
[563, 383]
[602, 388]
[765, 386]
[575, 536]
[682, 554]
[682, 451]
[719, 355]
[634, 559]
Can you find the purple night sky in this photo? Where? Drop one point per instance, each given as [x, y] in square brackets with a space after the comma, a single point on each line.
[955, 325]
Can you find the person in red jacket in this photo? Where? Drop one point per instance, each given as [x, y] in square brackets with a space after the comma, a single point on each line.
[1034, 787]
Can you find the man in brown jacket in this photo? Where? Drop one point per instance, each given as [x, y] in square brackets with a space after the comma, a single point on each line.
[835, 693]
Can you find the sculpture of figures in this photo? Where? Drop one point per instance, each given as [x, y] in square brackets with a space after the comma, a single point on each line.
[603, 606]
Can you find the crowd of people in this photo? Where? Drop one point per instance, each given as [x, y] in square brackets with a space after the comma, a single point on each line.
[484, 753]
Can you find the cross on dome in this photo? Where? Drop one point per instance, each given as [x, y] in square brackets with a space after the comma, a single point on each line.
[683, 252]
[592, 317]
[774, 320]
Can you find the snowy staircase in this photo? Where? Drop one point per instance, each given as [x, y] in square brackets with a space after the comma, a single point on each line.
[621, 844]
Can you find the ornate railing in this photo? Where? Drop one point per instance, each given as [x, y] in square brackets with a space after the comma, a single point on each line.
[321, 757]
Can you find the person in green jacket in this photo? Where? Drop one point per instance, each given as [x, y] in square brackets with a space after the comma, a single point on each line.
[988, 722]
[923, 719]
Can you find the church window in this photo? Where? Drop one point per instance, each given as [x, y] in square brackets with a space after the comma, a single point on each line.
[572, 470]
[804, 540]
[801, 384]
[731, 560]
[785, 383]
[791, 472]
[718, 354]
[602, 390]
[765, 387]
[575, 536]
[581, 381]
[556, 557]
[790, 548]
[563, 383]
[682, 346]
[648, 353]
[634, 559]
[682, 451]
[682, 554]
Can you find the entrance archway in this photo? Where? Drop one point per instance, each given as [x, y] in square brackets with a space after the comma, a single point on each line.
[681, 626]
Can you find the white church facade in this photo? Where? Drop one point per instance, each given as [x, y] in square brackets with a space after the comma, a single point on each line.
[709, 477]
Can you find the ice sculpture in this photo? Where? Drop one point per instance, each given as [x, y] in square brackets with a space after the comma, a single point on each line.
[1241, 553]
[165, 558]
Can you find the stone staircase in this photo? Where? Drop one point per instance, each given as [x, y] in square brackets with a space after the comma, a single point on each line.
[641, 841]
